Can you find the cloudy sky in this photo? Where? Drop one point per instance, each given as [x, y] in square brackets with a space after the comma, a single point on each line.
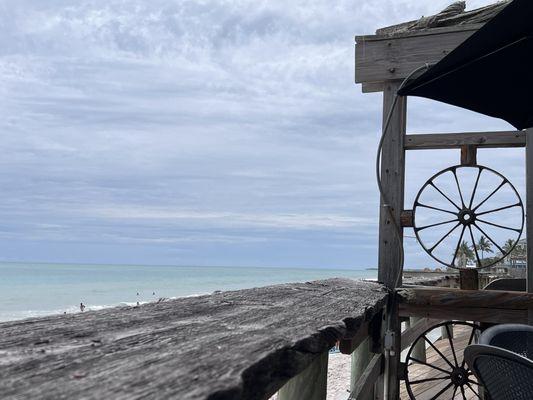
[201, 132]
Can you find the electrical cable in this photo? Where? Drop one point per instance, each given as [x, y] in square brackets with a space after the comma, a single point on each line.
[386, 204]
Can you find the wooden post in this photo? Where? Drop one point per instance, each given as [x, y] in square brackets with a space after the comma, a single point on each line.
[469, 279]
[529, 215]
[360, 359]
[392, 179]
[310, 384]
[419, 350]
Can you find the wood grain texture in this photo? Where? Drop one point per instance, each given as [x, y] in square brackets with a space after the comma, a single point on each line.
[435, 141]
[368, 378]
[470, 305]
[230, 345]
[380, 58]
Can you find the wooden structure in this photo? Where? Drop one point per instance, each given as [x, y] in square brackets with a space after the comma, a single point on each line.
[382, 62]
[232, 345]
[250, 344]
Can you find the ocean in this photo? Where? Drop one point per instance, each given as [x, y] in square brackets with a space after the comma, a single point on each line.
[31, 289]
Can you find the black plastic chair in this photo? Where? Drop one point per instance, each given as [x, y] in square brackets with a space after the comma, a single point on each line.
[500, 361]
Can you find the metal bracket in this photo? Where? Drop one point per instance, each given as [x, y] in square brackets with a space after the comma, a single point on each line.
[389, 340]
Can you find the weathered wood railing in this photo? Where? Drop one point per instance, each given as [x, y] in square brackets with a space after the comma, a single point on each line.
[243, 344]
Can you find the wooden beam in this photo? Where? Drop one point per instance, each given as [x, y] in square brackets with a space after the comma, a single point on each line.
[457, 140]
[392, 178]
[380, 58]
[416, 329]
[479, 314]
[311, 384]
[390, 241]
[368, 378]
[361, 358]
[471, 305]
[529, 216]
[348, 346]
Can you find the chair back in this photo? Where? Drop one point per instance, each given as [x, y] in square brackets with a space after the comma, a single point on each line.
[505, 375]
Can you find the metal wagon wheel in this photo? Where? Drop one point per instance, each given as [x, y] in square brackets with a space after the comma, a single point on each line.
[465, 214]
[444, 374]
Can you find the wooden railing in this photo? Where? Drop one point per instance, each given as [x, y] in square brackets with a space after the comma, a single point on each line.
[246, 344]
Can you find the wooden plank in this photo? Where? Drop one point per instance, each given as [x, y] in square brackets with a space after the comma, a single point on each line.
[361, 358]
[469, 279]
[469, 155]
[392, 178]
[311, 384]
[471, 305]
[458, 140]
[348, 346]
[529, 216]
[242, 344]
[380, 58]
[479, 314]
[439, 296]
[416, 329]
[368, 378]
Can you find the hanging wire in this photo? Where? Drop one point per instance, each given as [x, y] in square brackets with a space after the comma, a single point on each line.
[384, 200]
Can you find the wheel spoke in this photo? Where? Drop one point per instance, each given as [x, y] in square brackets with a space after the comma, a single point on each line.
[436, 208]
[491, 194]
[474, 382]
[473, 391]
[454, 391]
[432, 225]
[429, 365]
[459, 188]
[469, 343]
[498, 209]
[498, 226]
[475, 188]
[463, 392]
[451, 344]
[444, 237]
[446, 197]
[488, 237]
[440, 378]
[475, 247]
[442, 391]
[438, 352]
[458, 245]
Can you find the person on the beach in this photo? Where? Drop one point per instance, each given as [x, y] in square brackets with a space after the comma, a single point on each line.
[82, 307]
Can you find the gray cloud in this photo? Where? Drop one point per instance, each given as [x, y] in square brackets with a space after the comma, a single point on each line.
[180, 132]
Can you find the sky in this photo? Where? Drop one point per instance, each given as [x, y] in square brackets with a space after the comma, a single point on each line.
[203, 132]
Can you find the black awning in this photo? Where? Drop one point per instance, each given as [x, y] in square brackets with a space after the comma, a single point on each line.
[491, 72]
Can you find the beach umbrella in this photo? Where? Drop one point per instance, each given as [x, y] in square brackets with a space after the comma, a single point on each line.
[491, 72]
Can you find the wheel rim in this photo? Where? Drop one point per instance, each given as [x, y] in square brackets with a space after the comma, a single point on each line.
[465, 216]
[448, 373]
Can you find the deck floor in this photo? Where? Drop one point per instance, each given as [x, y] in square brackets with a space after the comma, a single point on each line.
[429, 389]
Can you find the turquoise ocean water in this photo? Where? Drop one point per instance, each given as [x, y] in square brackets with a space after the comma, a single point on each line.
[29, 290]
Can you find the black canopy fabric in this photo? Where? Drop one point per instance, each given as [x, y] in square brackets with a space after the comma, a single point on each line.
[491, 72]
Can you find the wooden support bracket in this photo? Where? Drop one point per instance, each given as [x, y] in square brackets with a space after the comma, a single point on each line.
[468, 155]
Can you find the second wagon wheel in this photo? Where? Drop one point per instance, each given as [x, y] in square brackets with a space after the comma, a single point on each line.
[439, 371]
[468, 216]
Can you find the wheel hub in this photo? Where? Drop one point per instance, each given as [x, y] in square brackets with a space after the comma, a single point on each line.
[459, 376]
[466, 216]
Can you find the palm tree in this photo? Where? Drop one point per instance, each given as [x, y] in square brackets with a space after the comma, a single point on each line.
[464, 253]
[509, 243]
[484, 245]
[507, 247]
